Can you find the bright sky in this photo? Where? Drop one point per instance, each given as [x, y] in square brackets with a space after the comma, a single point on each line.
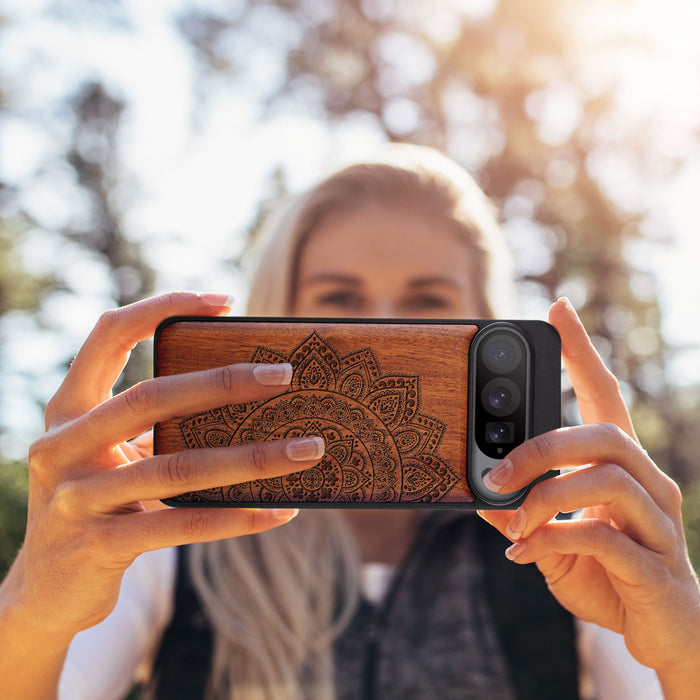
[204, 184]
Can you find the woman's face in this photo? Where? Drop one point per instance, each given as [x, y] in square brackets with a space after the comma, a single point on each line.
[385, 261]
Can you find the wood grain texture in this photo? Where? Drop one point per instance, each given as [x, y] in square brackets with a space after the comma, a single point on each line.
[390, 401]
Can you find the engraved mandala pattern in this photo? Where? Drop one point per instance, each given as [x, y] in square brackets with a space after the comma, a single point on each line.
[379, 447]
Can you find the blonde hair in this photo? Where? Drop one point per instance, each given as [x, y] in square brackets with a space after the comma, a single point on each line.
[277, 600]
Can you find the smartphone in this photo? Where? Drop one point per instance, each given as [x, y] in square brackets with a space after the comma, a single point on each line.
[413, 413]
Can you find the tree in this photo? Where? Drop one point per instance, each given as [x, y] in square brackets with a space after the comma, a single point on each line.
[505, 91]
[96, 232]
[93, 155]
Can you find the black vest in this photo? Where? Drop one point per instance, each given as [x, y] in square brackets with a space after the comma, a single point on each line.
[392, 652]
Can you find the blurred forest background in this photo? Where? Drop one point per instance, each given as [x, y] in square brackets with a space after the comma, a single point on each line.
[580, 119]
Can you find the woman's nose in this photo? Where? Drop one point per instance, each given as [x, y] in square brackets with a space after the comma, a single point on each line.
[383, 308]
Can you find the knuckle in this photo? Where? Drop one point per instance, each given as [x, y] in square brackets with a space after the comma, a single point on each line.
[42, 455]
[141, 397]
[600, 533]
[225, 378]
[67, 498]
[610, 432]
[257, 520]
[542, 495]
[174, 299]
[38, 454]
[107, 322]
[673, 537]
[175, 470]
[617, 478]
[257, 459]
[53, 410]
[611, 383]
[539, 448]
[661, 570]
[109, 327]
[674, 495]
[196, 525]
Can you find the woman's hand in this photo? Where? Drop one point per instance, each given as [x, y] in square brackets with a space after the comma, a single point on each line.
[623, 564]
[89, 515]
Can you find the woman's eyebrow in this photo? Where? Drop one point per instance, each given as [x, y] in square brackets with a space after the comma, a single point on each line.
[434, 281]
[333, 277]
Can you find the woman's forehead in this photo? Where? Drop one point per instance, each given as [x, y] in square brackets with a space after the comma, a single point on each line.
[399, 236]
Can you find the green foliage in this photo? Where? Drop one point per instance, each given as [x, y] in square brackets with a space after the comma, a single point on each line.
[18, 289]
[14, 483]
[691, 521]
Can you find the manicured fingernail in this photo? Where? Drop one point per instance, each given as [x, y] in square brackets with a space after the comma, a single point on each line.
[273, 375]
[499, 476]
[516, 525]
[218, 299]
[515, 550]
[304, 449]
[285, 514]
[569, 306]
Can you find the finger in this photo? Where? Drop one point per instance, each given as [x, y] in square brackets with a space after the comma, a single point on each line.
[618, 554]
[105, 352]
[497, 518]
[130, 452]
[606, 486]
[142, 532]
[596, 388]
[583, 444]
[165, 476]
[143, 444]
[155, 400]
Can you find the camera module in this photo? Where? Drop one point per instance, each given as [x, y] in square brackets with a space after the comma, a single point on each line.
[501, 388]
[514, 367]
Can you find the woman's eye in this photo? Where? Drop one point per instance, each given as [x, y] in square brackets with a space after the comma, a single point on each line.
[341, 300]
[427, 302]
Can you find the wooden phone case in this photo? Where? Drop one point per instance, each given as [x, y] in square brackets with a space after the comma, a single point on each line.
[389, 398]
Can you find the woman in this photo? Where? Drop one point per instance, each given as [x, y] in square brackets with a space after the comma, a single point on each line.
[276, 602]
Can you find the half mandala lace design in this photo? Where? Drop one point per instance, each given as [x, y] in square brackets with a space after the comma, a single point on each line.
[379, 447]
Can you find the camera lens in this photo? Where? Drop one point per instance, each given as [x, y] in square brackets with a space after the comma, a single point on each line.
[502, 353]
[499, 432]
[500, 396]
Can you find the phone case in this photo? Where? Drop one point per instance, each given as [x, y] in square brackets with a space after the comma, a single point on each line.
[390, 399]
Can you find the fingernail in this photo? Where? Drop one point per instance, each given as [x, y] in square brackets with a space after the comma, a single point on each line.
[499, 476]
[304, 449]
[517, 525]
[218, 299]
[285, 514]
[273, 375]
[515, 550]
[569, 306]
